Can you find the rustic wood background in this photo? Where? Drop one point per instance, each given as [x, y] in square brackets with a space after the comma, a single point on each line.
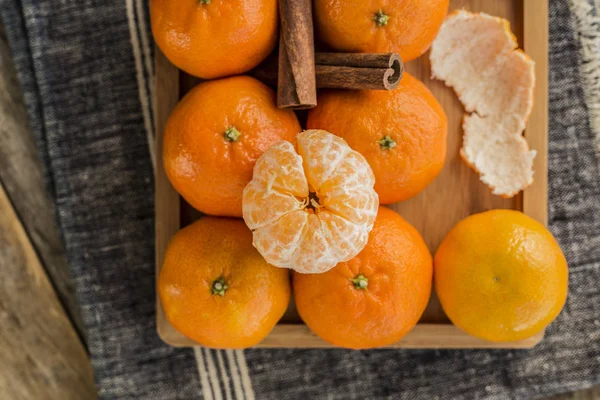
[42, 341]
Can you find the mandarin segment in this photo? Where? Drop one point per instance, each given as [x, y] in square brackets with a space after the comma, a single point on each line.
[351, 174]
[279, 240]
[315, 253]
[343, 236]
[257, 194]
[310, 211]
[355, 205]
[321, 156]
[281, 169]
[278, 181]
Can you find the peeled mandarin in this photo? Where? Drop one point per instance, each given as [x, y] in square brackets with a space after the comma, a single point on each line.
[313, 207]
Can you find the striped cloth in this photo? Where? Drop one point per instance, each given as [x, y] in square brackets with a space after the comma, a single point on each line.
[86, 69]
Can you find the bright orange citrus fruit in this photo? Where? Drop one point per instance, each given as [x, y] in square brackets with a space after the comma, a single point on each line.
[402, 133]
[312, 208]
[212, 39]
[215, 135]
[217, 290]
[500, 276]
[406, 27]
[375, 298]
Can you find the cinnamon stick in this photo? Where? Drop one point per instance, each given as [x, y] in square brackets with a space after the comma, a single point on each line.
[362, 71]
[296, 84]
[379, 71]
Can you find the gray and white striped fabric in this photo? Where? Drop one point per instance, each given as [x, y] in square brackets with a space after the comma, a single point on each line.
[86, 71]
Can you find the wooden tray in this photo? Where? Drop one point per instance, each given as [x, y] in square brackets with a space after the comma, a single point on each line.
[454, 195]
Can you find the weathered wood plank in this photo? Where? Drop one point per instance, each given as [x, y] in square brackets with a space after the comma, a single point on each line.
[21, 175]
[588, 394]
[41, 356]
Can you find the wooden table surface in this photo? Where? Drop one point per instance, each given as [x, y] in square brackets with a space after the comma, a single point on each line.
[42, 340]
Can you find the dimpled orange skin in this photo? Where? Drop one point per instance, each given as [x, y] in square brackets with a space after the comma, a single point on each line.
[500, 276]
[407, 27]
[215, 39]
[255, 299]
[410, 115]
[398, 267]
[208, 170]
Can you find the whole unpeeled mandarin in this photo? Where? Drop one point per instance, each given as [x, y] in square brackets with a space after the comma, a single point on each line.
[402, 133]
[375, 298]
[500, 276]
[216, 289]
[214, 137]
[212, 39]
[406, 27]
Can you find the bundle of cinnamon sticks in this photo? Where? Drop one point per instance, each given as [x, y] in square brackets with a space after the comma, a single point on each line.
[299, 70]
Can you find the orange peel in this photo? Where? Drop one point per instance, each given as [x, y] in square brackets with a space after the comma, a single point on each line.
[477, 55]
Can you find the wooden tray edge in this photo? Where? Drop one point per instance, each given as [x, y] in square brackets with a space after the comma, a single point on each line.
[535, 23]
[166, 204]
[423, 336]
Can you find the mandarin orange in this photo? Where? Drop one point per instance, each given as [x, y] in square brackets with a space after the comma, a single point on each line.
[212, 39]
[406, 27]
[215, 135]
[375, 298]
[402, 133]
[216, 289]
[500, 276]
